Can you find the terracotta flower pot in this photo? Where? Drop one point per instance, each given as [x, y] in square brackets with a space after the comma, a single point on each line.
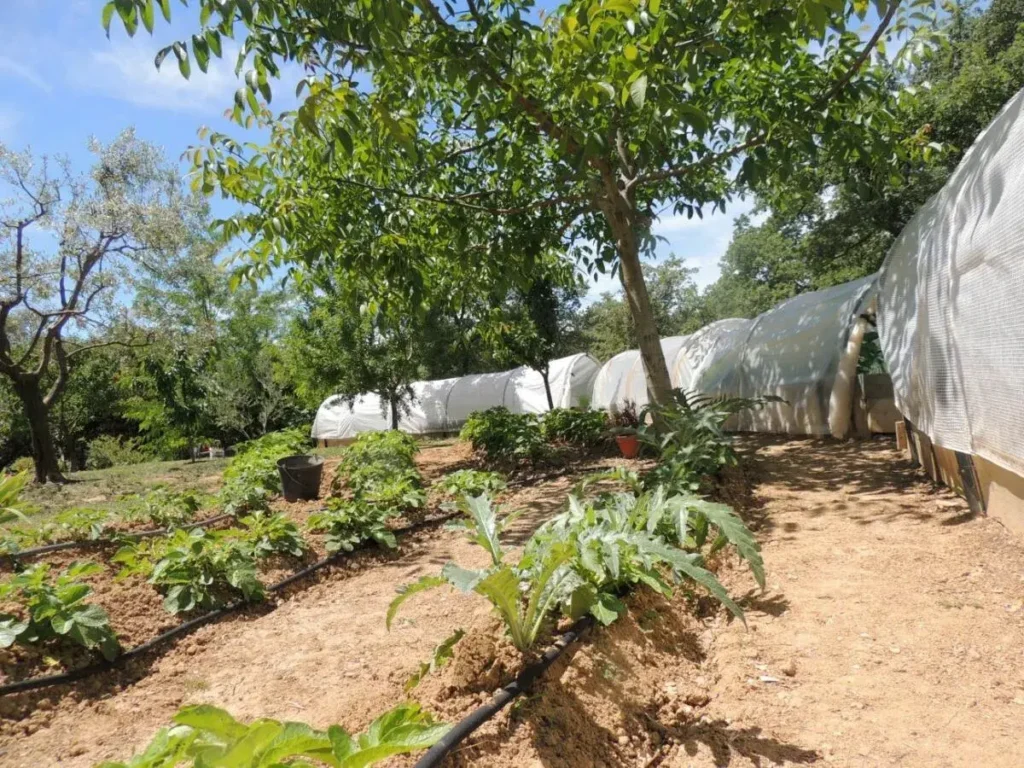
[629, 445]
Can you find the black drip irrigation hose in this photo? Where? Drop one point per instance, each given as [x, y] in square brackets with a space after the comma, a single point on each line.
[192, 624]
[523, 682]
[97, 543]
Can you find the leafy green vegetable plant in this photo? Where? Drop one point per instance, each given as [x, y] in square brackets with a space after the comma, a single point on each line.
[56, 610]
[12, 506]
[252, 477]
[164, 508]
[620, 541]
[75, 524]
[350, 522]
[526, 595]
[378, 468]
[688, 438]
[196, 568]
[266, 534]
[442, 654]
[504, 437]
[471, 482]
[204, 737]
[583, 428]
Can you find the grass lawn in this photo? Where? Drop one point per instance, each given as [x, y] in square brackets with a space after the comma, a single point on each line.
[104, 488]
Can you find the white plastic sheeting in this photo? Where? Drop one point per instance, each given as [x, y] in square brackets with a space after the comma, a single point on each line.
[444, 405]
[951, 303]
[622, 378]
[792, 351]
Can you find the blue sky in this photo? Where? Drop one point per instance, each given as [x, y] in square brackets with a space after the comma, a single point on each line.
[62, 80]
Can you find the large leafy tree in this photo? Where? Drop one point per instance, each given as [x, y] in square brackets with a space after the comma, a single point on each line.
[71, 247]
[491, 131]
[821, 233]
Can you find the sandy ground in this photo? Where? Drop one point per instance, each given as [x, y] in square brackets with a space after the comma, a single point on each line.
[898, 614]
[890, 635]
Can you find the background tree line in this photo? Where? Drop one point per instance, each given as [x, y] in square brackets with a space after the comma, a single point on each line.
[168, 354]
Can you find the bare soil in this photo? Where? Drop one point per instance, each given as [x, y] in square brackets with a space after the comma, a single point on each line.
[327, 632]
[890, 635]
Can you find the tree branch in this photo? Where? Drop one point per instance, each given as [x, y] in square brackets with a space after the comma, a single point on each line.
[864, 54]
[542, 118]
[460, 200]
[835, 90]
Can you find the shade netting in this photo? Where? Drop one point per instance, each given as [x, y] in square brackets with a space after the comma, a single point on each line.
[951, 302]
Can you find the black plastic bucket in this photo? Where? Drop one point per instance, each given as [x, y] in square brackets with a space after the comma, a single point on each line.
[300, 477]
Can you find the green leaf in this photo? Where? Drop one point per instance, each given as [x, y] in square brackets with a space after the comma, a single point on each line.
[147, 16]
[183, 63]
[105, 16]
[694, 117]
[735, 530]
[607, 608]
[638, 91]
[217, 721]
[161, 55]
[407, 591]
[10, 629]
[165, 9]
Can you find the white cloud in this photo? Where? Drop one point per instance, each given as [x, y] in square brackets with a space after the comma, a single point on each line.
[125, 71]
[24, 72]
[9, 120]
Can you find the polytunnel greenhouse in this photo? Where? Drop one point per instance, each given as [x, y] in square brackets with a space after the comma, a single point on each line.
[445, 404]
[792, 351]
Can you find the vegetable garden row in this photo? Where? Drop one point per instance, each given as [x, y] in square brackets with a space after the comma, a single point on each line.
[621, 531]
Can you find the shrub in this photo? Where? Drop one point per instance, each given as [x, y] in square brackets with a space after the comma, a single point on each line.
[22, 464]
[503, 436]
[350, 522]
[208, 736]
[575, 426]
[471, 482]
[108, 451]
[56, 610]
[252, 476]
[195, 569]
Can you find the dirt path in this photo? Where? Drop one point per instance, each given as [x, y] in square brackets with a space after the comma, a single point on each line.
[893, 630]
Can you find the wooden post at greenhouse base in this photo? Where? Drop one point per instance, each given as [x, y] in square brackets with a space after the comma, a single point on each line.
[988, 488]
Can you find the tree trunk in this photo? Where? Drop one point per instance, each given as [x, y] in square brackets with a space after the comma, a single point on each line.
[545, 374]
[621, 214]
[44, 454]
[394, 402]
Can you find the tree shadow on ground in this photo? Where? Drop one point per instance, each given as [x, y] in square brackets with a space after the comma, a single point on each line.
[725, 742]
[866, 470]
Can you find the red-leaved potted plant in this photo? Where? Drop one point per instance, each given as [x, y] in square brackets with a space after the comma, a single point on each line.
[625, 424]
